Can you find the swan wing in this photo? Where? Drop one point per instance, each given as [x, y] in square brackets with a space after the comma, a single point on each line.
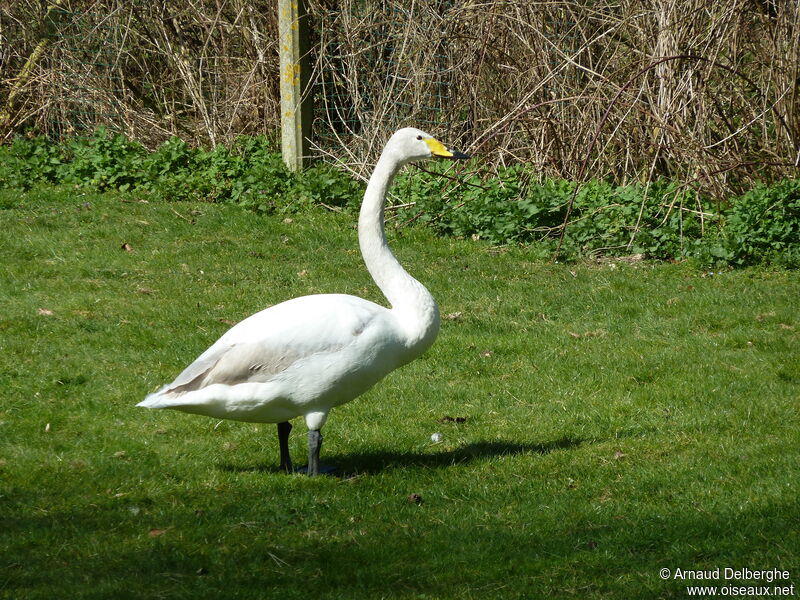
[192, 376]
[233, 363]
[269, 342]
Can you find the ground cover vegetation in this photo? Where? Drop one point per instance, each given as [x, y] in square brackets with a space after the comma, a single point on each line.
[662, 219]
[599, 421]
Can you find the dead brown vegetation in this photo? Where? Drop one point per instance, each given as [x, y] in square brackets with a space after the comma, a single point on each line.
[704, 92]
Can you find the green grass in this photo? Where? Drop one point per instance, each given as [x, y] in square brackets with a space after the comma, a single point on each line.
[620, 418]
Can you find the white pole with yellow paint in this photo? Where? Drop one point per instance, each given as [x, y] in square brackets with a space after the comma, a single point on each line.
[296, 104]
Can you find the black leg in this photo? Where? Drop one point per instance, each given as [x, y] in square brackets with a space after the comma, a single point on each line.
[283, 440]
[314, 445]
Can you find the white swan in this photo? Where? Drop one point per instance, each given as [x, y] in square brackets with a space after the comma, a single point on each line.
[307, 355]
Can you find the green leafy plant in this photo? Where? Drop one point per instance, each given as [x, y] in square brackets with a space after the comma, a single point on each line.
[27, 162]
[103, 161]
[327, 185]
[510, 205]
[764, 224]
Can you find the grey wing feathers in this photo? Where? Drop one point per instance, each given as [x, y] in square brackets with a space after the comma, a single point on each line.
[246, 354]
[191, 377]
[231, 364]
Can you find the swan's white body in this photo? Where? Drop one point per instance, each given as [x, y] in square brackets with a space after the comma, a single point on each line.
[307, 355]
[301, 357]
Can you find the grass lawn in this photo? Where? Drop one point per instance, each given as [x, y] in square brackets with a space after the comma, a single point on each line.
[619, 419]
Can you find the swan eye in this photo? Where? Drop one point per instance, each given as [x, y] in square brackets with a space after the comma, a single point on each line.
[419, 137]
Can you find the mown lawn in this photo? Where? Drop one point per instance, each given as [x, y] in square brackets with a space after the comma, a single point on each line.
[618, 418]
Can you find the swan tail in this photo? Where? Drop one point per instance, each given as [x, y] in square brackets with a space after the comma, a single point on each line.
[163, 398]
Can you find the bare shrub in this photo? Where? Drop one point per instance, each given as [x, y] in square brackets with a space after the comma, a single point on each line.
[201, 69]
[706, 93]
[533, 81]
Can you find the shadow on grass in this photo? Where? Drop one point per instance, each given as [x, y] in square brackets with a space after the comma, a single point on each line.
[372, 462]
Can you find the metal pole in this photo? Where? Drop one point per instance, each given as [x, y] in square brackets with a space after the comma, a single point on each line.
[296, 106]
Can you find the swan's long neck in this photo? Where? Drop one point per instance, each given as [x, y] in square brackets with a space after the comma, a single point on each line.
[411, 302]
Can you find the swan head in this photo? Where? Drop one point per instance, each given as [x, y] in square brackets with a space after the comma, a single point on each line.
[410, 144]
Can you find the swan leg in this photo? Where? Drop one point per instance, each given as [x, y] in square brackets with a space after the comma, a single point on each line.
[283, 440]
[314, 445]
